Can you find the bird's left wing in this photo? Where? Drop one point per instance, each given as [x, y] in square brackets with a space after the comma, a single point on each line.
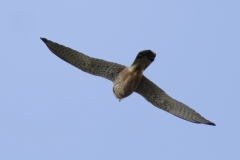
[85, 63]
[160, 99]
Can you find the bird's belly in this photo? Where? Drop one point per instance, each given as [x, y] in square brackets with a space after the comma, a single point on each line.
[124, 88]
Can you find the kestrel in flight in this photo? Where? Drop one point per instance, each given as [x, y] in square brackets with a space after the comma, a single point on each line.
[128, 79]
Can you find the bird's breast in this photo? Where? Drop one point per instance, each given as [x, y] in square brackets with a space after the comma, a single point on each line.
[126, 83]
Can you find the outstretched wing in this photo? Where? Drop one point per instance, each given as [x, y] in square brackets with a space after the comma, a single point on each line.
[87, 64]
[160, 99]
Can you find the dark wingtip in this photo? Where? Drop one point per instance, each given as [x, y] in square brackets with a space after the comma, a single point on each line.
[210, 123]
[44, 39]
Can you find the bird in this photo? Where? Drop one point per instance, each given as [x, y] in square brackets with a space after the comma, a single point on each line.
[127, 80]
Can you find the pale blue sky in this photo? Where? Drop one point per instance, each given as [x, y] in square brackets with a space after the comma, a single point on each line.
[51, 110]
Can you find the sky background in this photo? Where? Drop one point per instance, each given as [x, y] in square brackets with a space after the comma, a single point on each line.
[52, 110]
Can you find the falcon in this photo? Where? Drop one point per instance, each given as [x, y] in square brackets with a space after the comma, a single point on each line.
[127, 80]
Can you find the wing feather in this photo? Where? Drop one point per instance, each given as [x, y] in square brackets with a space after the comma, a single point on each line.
[98, 67]
[160, 99]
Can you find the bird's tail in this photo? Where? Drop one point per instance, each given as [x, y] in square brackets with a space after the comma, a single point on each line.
[143, 60]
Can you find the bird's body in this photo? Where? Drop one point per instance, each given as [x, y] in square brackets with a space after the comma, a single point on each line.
[126, 83]
[128, 79]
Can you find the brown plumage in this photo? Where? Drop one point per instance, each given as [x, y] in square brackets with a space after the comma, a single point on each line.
[127, 80]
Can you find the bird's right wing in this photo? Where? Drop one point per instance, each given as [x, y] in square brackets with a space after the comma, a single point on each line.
[160, 99]
[85, 63]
